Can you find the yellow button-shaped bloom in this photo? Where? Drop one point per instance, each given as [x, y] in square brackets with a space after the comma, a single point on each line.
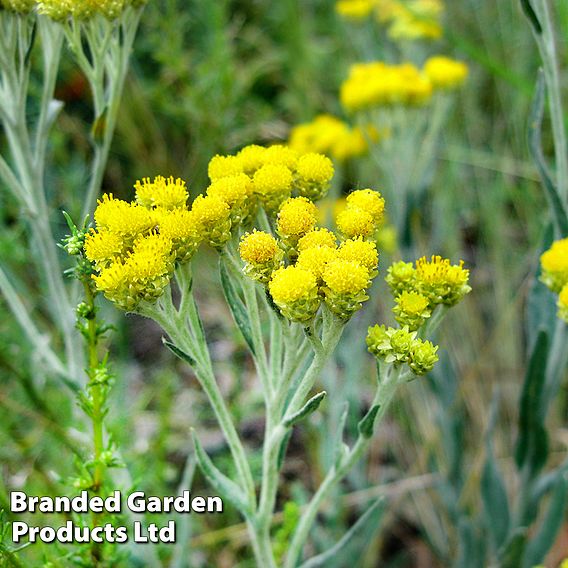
[222, 166]
[161, 192]
[445, 73]
[368, 200]
[252, 158]
[361, 251]
[354, 222]
[296, 217]
[282, 155]
[346, 277]
[258, 247]
[295, 292]
[316, 259]
[103, 246]
[317, 238]
[127, 219]
[554, 264]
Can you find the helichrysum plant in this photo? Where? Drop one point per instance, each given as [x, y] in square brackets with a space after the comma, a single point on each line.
[284, 274]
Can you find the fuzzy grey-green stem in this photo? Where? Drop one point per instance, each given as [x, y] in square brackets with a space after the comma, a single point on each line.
[383, 397]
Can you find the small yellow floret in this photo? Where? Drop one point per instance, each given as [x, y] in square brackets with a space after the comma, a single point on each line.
[183, 229]
[167, 193]
[346, 277]
[233, 190]
[252, 158]
[315, 259]
[361, 251]
[222, 166]
[296, 217]
[368, 200]
[273, 180]
[291, 284]
[315, 168]
[554, 263]
[354, 9]
[258, 247]
[103, 246]
[441, 281]
[280, 154]
[445, 73]
[317, 238]
[127, 219]
[412, 303]
[209, 210]
[355, 222]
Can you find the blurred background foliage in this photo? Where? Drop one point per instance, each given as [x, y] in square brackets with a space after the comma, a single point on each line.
[210, 77]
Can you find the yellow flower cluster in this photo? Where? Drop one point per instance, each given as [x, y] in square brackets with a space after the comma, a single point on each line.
[417, 291]
[554, 265]
[84, 9]
[405, 19]
[329, 135]
[362, 215]
[378, 84]
[306, 267]
[276, 173]
[256, 176]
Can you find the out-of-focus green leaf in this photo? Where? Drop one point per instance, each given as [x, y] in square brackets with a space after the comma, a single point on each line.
[238, 310]
[531, 15]
[556, 204]
[375, 513]
[512, 554]
[532, 444]
[493, 491]
[538, 546]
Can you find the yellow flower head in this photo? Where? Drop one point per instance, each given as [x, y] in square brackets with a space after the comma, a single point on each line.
[296, 217]
[222, 166]
[313, 175]
[295, 292]
[258, 248]
[213, 214]
[167, 193]
[563, 303]
[316, 259]
[183, 229]
[445, 73]
[354, 9]
[368, 200]
[126, 219]
[361, 251]
[442, 282]
[554, 264]
[345, 284]
[252, 158]
[317, 238]
[346, 276]
[103, 247]
[281, 155]
[233, 190]
[354, 222]
[412, 309]
[273, 184]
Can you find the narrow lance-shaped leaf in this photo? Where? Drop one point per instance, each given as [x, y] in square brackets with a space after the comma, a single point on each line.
[309, 408]
[493, 492]
[220, 482]
[542, 541]
[238, 310]
[179, 353]
[532, 444]
[367, 424]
